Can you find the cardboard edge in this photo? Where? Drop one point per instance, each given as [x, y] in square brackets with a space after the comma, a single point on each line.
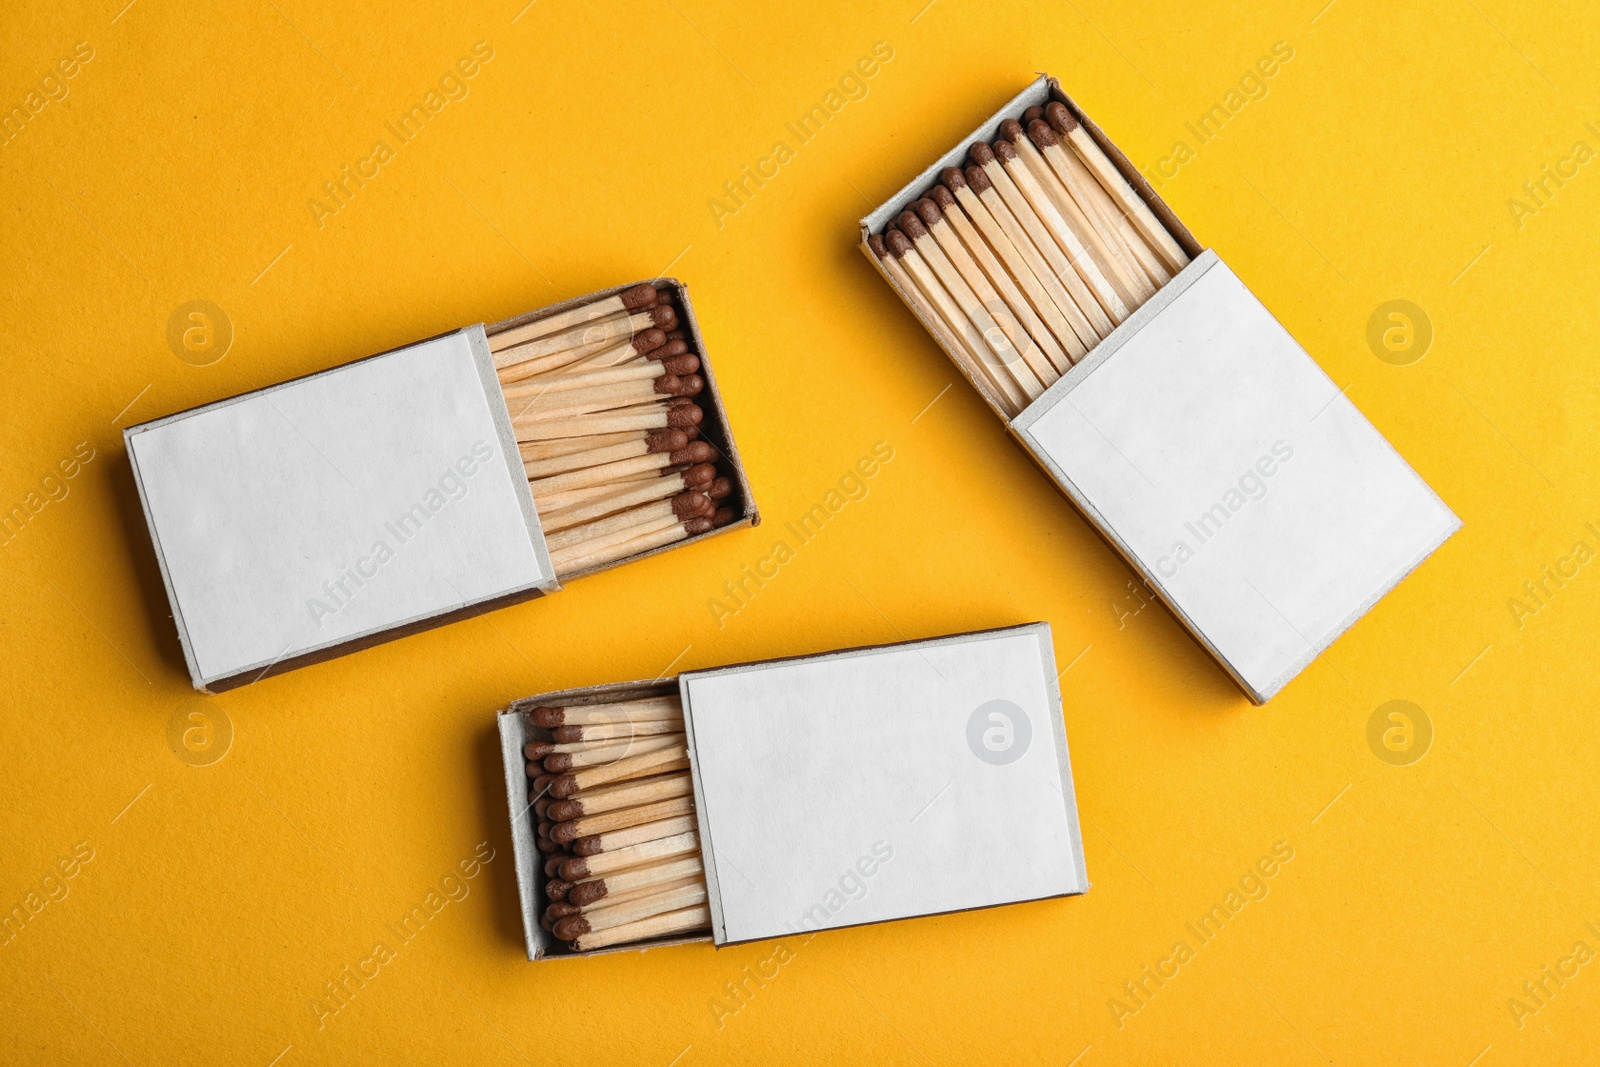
[708, 846]
[483, 360]
[129, 437]
[1069, 794]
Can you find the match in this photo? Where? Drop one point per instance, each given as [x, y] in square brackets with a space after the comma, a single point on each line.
[617, 827]
[1022, 261]
[607, 403]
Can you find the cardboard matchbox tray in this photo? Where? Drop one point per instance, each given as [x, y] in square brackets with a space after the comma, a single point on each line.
[1208, 448]
[853, 787]
[359, 504]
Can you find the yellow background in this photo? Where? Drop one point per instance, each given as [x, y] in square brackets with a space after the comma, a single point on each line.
[221, 898]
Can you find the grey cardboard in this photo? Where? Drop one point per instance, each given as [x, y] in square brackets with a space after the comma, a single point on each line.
[858, 786]
[1212, 384]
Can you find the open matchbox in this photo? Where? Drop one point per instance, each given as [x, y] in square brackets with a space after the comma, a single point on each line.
[1207, 447]
[852, 787]
[359, 504]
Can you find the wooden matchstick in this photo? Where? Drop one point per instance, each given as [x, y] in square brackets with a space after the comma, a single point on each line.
[538, 750]
[989, 332]
[1033, 354]
[663, 441]
[1144, 220]
[600, 473]
[532, 428]
[657, 489]
[609, 755]
[1102, 243]
[644, 709]
[611, 900]
[650, 874]
[597, 866]
[1015, 242]
[593, 336]
[1088, 296]
[622, 818]
[560, 448]
[1110, 219]
[554, 506]
[913, 295]
[690, 504]
[664, 786]
[686, 921]
[956, 219]
[642, 295]
[1066, 240]
[977, 362]
[594, 844]
[643, 345]
[658, 903]
[566, 405]
[604, 731]
[632, 767]
[617, 548]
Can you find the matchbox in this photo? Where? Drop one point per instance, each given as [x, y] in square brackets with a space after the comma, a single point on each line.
[473, 470]
[1192, 431]
[810, 793]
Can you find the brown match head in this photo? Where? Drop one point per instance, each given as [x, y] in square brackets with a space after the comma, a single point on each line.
[981, 155]
[545, 826]
[585, 893]
[952, 178]
[668, 385]
[1033, 113]
[647, 341]
[1005, 151]
[672, 348]
[568, 734]
[681, 365]
[534, 767]
[943, 197]
[666, 441]
[663, 316]
[587, 846]
[720, 489]
[547, 716]
[699, 474]
[547, 844]
[563, 785]
[688, 506]
[676, 335]
[564, 811]
[899, 244]
[573, 927]
[1060, 118]
[642, 295]
[698, 452]
[546, 924]
[574, 870]
[692, 432]
[911, 226]
[556, 889]
[536, 750]
[541, 782]
[693, 527]
[558, 762]
[723, 517]
[560, 909]
[541, 807]
[1011, 129]
[688, 415]
[978, 180]
[1041, 134]
[879, 248]
[553, 865]
[928, 211]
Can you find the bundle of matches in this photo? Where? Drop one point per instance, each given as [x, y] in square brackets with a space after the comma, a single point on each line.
[1030, 256]
[616, 823]
[601, 399]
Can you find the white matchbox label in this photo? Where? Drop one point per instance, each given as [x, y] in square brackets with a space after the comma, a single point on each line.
[338, 506]
[1225, 465]
[860, 786]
